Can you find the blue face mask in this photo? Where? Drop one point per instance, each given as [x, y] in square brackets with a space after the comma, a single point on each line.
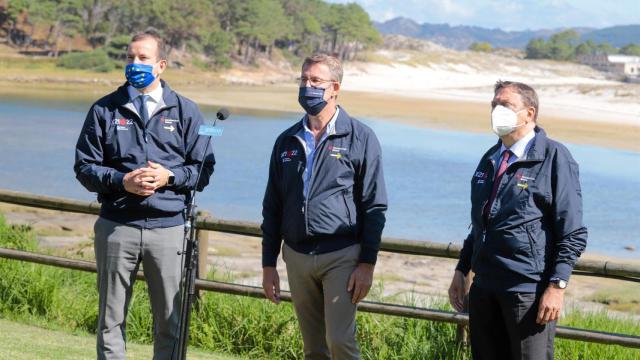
[139, 75]
[312, 100]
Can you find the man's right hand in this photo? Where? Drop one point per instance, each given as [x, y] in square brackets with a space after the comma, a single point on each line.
[457, 290]
[271, 284]
[136, 184]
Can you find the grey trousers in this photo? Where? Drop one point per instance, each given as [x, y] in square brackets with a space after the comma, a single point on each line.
[322, 303]
[119, 250]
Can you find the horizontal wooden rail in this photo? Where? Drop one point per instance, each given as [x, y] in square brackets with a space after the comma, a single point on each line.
[366, 306]
[602, 268]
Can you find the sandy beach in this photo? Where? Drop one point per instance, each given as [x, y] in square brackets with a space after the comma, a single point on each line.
[443, 89]
[452, 90]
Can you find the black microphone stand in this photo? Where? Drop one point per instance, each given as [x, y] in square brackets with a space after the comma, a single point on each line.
[190, 259]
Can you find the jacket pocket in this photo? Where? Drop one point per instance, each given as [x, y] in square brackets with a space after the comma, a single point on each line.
[292, 223]
[332, 215]
[347, 196]
[534, 251]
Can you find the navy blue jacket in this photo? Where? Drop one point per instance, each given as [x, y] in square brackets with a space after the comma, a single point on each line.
[534, 231]
[114, 141]
[347, 198]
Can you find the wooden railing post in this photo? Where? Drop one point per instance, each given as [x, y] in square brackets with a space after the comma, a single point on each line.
[203, 247]
[462, 330]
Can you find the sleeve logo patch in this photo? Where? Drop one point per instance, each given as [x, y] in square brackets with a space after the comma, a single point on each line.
[286, 156]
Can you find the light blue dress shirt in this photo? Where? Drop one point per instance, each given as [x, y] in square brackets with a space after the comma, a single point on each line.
[154, 99]
[519, 150]
[310, 145]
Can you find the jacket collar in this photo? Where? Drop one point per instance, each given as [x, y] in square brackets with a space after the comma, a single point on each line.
[539, 146]
[536, 151]
[169, 97]
[343, 125]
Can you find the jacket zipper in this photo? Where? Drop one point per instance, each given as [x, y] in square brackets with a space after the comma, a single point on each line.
[484, 203]
[319, 148]
[304, 202]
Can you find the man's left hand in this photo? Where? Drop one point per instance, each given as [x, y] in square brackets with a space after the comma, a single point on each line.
[360, 281]
[158, 172]
[550, 305]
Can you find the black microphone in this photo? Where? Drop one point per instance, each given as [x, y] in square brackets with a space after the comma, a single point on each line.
[222, 114]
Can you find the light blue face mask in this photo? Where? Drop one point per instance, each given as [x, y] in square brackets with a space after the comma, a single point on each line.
[139, 75]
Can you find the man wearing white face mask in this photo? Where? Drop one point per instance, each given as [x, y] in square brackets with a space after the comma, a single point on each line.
[527, 234]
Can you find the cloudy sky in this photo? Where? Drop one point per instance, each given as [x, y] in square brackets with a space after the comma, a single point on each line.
[508, 15]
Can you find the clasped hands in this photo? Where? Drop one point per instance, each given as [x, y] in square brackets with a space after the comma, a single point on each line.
[146, 180]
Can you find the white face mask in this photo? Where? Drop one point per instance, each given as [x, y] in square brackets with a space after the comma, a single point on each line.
[504, 120]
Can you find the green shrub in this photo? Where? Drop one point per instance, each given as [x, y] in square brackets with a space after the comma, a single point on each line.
[482, 46]
[96, 60]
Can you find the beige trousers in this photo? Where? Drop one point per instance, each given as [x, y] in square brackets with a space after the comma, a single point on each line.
[322, 303]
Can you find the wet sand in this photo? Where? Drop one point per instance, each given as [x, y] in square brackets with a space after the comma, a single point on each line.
[459, 115]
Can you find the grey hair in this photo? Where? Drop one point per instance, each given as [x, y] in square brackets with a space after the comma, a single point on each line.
[527, 93]
[332, 62]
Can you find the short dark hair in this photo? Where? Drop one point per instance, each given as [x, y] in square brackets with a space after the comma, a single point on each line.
[332, 62]
[527, 93]
[162, 48]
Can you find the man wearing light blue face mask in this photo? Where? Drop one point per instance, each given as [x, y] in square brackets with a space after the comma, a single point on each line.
[527, 234]
[326, 199]
[139, 150]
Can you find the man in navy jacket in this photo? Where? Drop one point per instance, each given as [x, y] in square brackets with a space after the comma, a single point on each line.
[139, 150]
[526, 235]
[326, 198]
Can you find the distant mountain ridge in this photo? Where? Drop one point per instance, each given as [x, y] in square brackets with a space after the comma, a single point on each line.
[461, 36]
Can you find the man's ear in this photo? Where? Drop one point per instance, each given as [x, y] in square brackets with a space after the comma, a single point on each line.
[162, 65]
[531, 113]
[336, 89]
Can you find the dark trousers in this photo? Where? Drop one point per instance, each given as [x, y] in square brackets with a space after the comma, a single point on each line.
[503, 326]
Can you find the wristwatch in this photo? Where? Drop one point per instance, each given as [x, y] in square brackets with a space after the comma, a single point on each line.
[559, 283]
[172, 178]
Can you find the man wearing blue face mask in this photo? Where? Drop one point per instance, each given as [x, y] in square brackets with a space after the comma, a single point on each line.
[527, 234]
[326, 199]
[139, 150]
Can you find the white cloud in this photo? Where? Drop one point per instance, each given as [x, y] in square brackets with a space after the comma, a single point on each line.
[387, 14]
[450, 7]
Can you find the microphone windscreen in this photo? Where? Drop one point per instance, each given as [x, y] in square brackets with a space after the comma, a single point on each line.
[222, 114]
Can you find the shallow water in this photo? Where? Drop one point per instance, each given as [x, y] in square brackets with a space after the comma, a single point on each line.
[427, 171]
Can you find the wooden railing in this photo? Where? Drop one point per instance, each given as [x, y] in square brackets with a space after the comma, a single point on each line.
[611, 269]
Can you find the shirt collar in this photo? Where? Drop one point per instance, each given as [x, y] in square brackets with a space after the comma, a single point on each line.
[155, 95]
[331, 126]
[519, 149]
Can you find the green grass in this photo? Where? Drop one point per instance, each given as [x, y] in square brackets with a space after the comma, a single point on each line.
[621, 298]
[26, 342]
[60, 299]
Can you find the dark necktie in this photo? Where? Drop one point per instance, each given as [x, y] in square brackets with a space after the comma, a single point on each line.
[496, 183]
[142, 110]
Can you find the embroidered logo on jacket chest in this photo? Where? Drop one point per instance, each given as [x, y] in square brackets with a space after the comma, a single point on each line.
[122, 124]
[168, 124]
[335, 151]
[481, 176]
[522, 180]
